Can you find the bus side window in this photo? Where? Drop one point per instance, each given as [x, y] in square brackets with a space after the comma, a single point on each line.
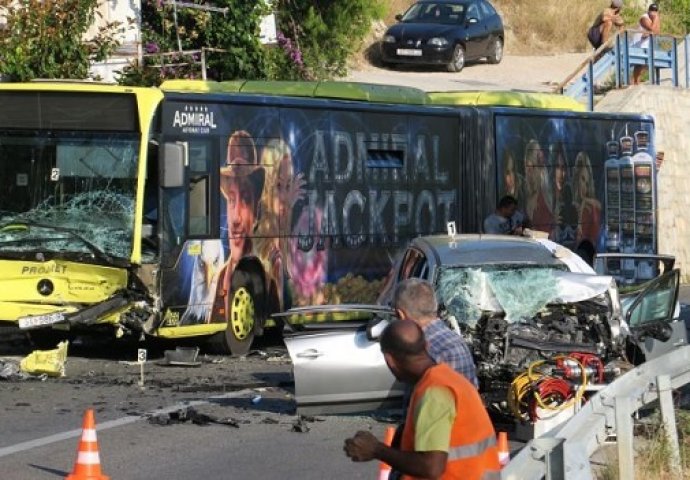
[199, 219]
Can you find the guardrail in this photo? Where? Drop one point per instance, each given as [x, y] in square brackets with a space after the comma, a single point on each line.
[564, 452]
[620, 55]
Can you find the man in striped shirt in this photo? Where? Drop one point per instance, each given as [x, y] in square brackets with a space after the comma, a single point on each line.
[414, 299]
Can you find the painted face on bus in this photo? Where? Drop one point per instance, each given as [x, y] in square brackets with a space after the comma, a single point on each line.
[559, 173]
[534, 163]
[241, 211]
[283, 188]
[582, 183]
[509, 180]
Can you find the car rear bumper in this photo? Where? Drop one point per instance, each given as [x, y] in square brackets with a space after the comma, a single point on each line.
[429, 55]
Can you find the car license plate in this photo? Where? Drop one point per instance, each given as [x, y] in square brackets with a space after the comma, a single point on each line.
[409, 52]
[40, 320]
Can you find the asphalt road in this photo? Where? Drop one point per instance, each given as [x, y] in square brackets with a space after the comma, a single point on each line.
[41, 422]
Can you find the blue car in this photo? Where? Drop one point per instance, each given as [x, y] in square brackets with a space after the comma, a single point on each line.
[445, 32]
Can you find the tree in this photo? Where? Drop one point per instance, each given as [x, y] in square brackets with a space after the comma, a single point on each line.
[48, 39]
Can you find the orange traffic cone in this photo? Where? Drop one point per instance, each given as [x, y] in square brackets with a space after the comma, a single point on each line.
[503, 450]
[88, 466]
[384, 468]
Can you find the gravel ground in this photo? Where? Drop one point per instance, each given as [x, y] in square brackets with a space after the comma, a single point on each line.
[526, 73]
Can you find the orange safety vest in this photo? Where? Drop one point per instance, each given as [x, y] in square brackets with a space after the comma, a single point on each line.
[473, 453]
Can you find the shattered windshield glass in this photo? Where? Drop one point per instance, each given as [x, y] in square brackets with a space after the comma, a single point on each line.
[68, 193]
[518, 290]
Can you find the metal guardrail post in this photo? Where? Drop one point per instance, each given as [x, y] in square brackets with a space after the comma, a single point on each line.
[617, 52]
[590, 86]
[651, 71]
[551, 450]
[687, 60]
[668, 415]
[626, 58]
[674, 61]
[624, 432]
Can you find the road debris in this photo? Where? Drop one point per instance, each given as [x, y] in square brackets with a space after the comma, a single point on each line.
[46, 362]
[181, 357]
[300, 426]
[9, 371]
[190, 415]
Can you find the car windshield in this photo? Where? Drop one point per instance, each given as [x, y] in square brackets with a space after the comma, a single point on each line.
[518, 290]
[442, 13]
[68, 194]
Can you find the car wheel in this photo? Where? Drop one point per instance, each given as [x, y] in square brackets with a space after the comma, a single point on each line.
[243, 312]
[457, 62]
[496, 54]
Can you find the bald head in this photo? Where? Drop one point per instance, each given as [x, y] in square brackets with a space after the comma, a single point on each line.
[403, 338]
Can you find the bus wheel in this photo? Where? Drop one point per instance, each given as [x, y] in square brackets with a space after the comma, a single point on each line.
[243, 313]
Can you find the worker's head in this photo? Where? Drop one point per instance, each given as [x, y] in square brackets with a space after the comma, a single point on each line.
[616, 4]
[653, 10]
[507, 206]
[404, 349]
[414, 299]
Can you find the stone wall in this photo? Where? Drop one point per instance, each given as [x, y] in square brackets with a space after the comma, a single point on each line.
[671, 110]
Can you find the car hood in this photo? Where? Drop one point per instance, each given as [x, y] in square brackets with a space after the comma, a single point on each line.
[421, 30]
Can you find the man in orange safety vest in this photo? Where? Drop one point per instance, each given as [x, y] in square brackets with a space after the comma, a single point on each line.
[447, 433]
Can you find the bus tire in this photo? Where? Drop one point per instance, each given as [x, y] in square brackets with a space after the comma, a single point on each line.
[244, 312]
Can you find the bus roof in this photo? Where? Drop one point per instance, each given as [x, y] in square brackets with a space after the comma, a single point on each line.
[366, 92]
[548, 101]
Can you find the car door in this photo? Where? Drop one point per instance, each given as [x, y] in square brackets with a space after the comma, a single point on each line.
[648, 287]
[342, 370]
[477, 32]
[650, 317]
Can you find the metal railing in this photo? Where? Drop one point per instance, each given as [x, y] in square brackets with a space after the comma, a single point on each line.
[565, 451]
[665, 52]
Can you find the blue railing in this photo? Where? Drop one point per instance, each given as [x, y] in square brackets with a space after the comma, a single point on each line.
[662, 54]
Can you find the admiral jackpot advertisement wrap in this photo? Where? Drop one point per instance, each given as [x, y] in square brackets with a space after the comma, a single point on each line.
[323, 199]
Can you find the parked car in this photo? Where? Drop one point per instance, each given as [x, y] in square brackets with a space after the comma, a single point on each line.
[445, 32]
[515, 301]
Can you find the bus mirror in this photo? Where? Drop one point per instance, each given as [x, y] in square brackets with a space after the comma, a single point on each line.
[174, 160]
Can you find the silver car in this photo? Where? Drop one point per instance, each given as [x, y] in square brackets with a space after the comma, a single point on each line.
[515, 300]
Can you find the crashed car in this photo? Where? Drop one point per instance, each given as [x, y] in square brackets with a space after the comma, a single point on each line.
[515, 300]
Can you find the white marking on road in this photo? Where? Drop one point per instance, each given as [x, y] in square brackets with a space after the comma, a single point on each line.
[59, 437]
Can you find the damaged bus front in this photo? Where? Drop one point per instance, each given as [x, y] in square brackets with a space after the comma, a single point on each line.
[69, 236]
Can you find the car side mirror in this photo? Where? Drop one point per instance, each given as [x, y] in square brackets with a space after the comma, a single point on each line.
[375, 328]
[661, 332]
[472, 20]
[398, 17]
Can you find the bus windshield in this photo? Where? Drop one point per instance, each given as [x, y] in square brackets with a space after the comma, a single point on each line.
[70, 194]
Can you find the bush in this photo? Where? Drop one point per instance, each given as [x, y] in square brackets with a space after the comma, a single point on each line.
[325, 33]
[45, 39]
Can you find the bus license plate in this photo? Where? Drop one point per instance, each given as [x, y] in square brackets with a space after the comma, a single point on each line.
[40, 320]
[409, 52]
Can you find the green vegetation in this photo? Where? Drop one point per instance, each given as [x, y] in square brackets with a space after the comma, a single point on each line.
[45, 39]
[316, 38]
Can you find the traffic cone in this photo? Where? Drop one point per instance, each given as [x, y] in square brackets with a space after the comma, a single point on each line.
[503, 450]
[88, 466]
[384, 468]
